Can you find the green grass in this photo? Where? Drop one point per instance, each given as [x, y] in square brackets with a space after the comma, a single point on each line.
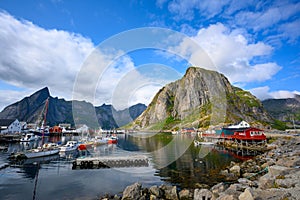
[279, 125]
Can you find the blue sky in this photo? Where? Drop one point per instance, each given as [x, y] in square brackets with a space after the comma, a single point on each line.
[45, 43]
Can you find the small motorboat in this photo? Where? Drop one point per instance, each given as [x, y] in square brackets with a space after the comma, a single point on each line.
[29, 137]
[112, 140]
[197, 143]
[70, 146]
[98, 140]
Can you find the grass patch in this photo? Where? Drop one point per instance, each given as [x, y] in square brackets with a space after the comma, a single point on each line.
[279, 125]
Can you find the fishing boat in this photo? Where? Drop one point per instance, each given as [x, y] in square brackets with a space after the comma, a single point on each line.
[112, 140]
[47, 149]
[29, 137]
[70, 146]
[98, 140]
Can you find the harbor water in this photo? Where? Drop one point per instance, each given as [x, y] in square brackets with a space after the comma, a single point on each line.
[173, 159]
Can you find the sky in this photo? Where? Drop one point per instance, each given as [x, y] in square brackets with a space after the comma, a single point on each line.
[75, 47]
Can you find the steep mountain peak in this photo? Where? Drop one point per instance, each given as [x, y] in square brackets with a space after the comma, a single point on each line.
[200, 96]
[42, 92]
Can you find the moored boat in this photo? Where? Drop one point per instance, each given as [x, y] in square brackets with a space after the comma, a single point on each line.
[197, 143]
[112, 140]
[70, 146]
[98, 140]
[29, 137]
[41, 152]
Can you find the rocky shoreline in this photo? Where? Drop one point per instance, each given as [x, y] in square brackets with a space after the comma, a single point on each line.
[272, 175]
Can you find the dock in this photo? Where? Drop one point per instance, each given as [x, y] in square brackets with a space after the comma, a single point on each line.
[110, 162]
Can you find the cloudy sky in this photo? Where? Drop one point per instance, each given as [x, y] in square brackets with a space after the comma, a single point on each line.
[59, 44]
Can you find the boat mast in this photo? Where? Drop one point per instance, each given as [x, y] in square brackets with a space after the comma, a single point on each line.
[44, 121]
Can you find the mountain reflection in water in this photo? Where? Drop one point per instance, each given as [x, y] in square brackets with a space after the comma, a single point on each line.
[173, 159]
[186, 167]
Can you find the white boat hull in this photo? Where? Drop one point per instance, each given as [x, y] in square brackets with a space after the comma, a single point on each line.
[65, 149]
[34, 153]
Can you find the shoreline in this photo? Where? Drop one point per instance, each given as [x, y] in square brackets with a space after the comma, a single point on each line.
[274, 174]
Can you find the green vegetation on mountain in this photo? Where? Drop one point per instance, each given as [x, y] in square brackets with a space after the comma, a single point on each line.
[200, 99]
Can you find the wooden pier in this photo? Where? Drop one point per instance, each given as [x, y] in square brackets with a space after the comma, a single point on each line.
[110, 162]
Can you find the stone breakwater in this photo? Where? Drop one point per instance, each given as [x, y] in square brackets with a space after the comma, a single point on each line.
[272, 175]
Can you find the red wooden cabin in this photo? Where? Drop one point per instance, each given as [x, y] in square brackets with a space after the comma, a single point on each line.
[249, 134]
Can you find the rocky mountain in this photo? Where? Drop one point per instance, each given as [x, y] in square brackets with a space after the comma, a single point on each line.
[199, 99]
[286, 110]
[30, 110]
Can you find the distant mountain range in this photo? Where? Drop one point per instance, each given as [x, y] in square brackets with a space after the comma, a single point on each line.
[199, 99]
[286, 110]
[30, 109]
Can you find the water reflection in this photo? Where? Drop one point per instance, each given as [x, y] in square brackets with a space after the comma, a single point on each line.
[184, 164]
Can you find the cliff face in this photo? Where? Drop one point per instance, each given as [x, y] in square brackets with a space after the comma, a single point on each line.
[29, 109]
[200, 98]
[287, 110]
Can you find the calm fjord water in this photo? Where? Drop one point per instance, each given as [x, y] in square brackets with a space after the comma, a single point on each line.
[57, 180]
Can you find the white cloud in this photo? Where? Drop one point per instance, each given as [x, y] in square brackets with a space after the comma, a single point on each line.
[268, 15]
[11, 96]
[265, 17]
[186, 9]
[264, 93]
[231, 53]
[291, 30]
[32, 57]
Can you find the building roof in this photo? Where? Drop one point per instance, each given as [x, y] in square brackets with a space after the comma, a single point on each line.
[6, 122]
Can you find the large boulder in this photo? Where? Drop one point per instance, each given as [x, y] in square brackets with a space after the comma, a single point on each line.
[247, 195]
[156, 191]
[132, 192]
[236, 170]
[200, 194]
[170, 192]
[185, 194]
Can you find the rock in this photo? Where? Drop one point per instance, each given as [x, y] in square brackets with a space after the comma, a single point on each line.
[170, 192]
[132, 192]
[266, 181]
[200, 194]
[116, 197]
[246, 195]
[285, 183]
[153, 197]
[226, 197]
[247, 182]
[268, 164]
[274, 194]
[202, 186]
[220, 187]
[249, 175]
[289, 161]
[224, 172]
[276, 170]
[237, 187]
[235, 170]
[185, 194]
[156, 191]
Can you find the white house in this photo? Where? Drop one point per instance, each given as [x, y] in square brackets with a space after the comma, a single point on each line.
[242, 124]
[82, 129]
[8, 126]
